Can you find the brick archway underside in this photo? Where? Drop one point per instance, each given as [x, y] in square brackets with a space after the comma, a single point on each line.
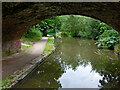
[19, 18]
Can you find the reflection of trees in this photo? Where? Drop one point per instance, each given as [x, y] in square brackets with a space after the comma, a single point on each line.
[111, 75]
[49, 73]
[44, 77]
[75, 52]
[70, 53]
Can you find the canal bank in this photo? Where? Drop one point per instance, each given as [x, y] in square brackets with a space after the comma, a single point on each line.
[76, 63]
[19, 66]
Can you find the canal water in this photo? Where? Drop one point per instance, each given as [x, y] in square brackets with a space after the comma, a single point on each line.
[76, 63]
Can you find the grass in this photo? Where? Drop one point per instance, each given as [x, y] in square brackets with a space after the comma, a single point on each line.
[6, 81]
[49, 46]
[33, 39]
[23, 47]
[29, 41]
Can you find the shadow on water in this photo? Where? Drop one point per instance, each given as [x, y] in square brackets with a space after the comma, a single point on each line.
[76, 63]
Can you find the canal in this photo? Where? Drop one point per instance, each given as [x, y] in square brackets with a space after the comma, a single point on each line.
[76, 63]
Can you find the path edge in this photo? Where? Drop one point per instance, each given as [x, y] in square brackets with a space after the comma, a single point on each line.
[26, 70]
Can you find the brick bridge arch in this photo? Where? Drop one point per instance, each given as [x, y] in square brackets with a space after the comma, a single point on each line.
[19, 17]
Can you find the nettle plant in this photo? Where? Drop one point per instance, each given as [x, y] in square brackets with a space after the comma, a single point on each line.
[108, 38]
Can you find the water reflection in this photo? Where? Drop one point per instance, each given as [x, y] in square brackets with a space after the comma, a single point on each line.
[80, 78]
[45, 76]
[76, 63]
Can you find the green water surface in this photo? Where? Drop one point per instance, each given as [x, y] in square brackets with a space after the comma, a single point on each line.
[76, 63]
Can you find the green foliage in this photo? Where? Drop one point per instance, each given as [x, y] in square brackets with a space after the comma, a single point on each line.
[49, 26]
[23, 47]
[32, 35]
[108, 38]
[49, 46]
[80, 26]
[32, 32]
[4, 83]
[75, 26]
[102, 27]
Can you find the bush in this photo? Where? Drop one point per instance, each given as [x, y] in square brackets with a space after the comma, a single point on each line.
[49, 26]
[108, 38]
[80, 26]
[102, 27]
[32, 32]
[32, 35]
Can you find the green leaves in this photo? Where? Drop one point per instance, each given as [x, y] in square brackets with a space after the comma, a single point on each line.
[80, 26]
[49, 26]
[108, 38]
[76, 26]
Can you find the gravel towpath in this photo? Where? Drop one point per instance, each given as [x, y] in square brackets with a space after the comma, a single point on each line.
[17, 61]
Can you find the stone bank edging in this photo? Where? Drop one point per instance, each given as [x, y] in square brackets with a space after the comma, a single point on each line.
[21, 74]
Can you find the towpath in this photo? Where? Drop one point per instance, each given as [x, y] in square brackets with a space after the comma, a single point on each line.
[17, 61]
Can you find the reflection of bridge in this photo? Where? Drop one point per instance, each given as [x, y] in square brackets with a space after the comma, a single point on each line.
[17, 20]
